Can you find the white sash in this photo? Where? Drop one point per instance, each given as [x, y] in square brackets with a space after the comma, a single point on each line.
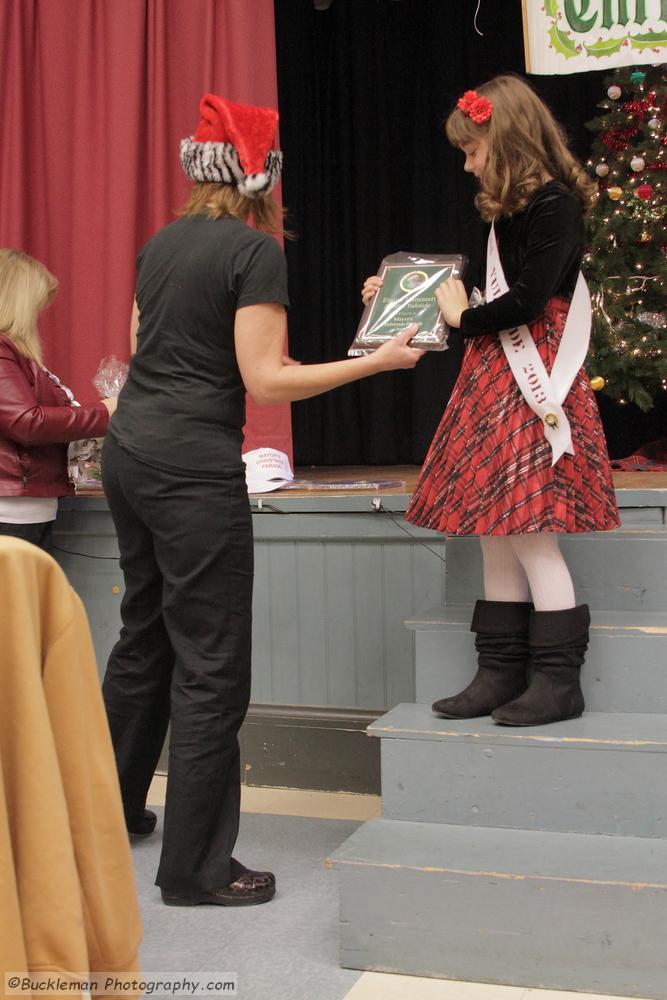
[543, 393]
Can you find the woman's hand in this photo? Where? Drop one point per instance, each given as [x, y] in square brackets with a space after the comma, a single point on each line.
[396, 353]
[371, 286]
[452, 299]
[111, 403]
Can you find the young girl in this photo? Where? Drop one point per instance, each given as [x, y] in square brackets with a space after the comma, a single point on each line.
[37, 418]
[508, 462]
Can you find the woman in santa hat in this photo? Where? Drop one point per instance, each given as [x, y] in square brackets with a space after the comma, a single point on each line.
[209, 324]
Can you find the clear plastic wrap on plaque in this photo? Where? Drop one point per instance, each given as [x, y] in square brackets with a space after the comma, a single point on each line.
[409, 281]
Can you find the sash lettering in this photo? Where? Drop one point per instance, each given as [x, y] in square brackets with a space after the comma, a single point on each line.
[544, 393]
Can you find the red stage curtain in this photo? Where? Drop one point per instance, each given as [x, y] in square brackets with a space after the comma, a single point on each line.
[96, 96]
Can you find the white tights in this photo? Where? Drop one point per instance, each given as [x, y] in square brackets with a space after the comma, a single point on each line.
[519, 566]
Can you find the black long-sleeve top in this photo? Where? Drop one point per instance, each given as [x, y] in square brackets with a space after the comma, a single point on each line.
[540, 249]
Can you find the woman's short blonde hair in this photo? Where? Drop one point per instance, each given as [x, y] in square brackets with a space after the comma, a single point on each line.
[26, 287]
[527, 146]
[219, 200]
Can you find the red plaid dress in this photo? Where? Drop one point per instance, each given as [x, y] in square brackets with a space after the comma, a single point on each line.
[488, 470]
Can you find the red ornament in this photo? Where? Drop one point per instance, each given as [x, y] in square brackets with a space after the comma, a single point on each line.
[645, 192]
[618, 139]
[636, 107]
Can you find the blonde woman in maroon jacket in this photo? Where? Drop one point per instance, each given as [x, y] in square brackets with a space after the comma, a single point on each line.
[38, 415]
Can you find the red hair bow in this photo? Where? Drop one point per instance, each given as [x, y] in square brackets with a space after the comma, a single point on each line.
[479, 109]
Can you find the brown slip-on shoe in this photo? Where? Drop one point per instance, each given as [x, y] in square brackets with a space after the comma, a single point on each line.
[247, 889]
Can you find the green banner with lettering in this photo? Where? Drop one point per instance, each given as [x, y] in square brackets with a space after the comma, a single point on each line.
[575, 36]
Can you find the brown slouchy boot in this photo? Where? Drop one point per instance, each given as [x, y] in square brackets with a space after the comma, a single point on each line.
[558, 642]
[502, 647]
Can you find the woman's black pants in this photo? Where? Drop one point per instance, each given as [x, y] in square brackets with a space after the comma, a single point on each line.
[186, 552]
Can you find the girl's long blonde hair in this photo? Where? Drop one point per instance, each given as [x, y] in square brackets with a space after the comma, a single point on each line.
[527, 147]
[26, 287]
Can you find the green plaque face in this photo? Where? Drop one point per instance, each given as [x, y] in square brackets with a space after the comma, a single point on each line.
[408, 296]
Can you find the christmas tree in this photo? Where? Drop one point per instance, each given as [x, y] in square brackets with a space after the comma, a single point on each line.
[626, 262]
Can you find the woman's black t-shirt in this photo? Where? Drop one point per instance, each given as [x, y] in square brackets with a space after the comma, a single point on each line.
[183, 405]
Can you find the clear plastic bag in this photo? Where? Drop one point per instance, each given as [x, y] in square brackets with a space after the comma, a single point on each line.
[83, 457]
[408, 296]
[110, 377]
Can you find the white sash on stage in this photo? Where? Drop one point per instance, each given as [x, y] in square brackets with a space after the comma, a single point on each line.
[543, 393]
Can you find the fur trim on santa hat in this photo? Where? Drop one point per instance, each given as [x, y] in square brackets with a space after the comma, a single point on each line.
[218, 163]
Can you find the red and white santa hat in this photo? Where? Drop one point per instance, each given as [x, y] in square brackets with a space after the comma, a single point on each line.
[233, 145]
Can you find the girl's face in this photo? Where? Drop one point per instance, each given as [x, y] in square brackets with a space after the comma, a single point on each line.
[476, 152]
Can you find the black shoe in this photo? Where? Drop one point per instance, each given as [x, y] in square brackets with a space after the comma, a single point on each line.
[248, 889]
[501, 641]
[142, 825]
[558, 641]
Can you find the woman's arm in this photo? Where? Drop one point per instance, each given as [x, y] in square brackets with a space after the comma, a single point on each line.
[259, 335]
[25, 421]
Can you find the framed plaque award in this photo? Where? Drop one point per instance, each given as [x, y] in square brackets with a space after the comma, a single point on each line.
[409, 281]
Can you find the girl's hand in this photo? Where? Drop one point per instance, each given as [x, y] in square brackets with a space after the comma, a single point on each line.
[111, 403]
[452, 298]
[396, 353]
[371, 286]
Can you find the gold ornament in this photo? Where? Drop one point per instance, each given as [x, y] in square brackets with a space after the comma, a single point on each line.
[597, 383]
[645, 236]
[615, 193]
[551, 420]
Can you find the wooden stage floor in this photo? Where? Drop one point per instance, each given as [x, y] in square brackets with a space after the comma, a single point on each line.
[404, 476]
[407, 474]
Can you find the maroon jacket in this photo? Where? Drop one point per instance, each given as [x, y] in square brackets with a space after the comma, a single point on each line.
[37, 421]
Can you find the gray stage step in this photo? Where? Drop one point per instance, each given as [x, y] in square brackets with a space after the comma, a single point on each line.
[625, 669]
[550, 910]
[603, 773]
[621, 570]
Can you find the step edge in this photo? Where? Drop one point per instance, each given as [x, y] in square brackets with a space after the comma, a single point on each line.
[333, 863]
[437, 619]
[508, 736]
[338, 858]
